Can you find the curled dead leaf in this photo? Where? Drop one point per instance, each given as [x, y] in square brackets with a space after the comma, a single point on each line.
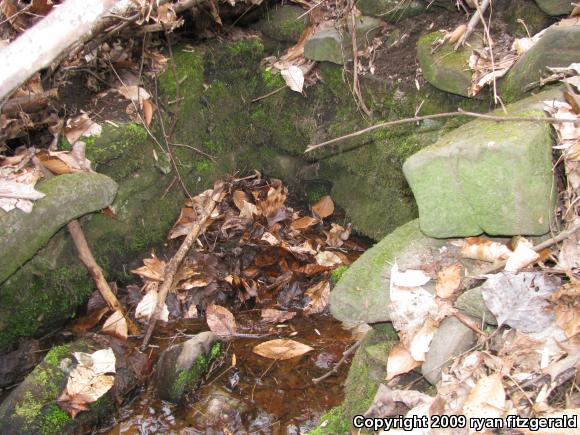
[400, 361]
[457, 33]
[319, 296]
[116, 325]
[479, 248]
[448, 281]
[324, 207]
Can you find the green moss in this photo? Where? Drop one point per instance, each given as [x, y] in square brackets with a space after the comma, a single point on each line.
[316, 192]
[333, 422]
[56, 354]
[55, 421]
[28, 408]
[337, 273]
[270, 80]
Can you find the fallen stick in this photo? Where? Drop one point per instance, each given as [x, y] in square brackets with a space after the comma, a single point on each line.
[173, 265]
[441, 115]
[28, 103]
[86, 256]
[345, 356]
[478, 15]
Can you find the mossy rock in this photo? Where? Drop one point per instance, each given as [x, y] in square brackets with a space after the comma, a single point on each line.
[334, 422]
[391, 11]
[31, 408]
[284, 23]
[447, 69]
[555, 7]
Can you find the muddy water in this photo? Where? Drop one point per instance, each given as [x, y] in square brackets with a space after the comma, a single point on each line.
[246, 393]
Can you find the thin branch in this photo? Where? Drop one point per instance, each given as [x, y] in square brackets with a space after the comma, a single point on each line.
[472, 23]
[269, 94]
[346, 354]
[441, 115]
[174, 263]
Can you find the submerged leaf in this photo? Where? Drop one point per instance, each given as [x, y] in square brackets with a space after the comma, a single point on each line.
[221, 321]
[281, 349]
[319, 297]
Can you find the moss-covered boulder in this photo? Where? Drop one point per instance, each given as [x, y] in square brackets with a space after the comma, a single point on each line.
[391, 10]
[487, 177]
[67, 197]
[182, 366]
[284, 23]
[335, 45]
[31, 408]
[555, 7]
[559, 47]
[446, 69]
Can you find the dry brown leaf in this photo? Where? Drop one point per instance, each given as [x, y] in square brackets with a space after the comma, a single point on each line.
[303, 223]
[568, 318]
[147, 305]
[479, 248]
[564, 415]
[281, 349]
[116, 325]
[400, 361]
[337, 235]
[486, 399]
[328, 259]
[319, 297]
[154, 269]
[221, 321]
[55, 165]
[148, 110]
[90, 320]
[448, 281]
[324, 207]
[456, 34]
[421, 340]
[270, 315]
[273, 206]
[79, 126]
[522, 256]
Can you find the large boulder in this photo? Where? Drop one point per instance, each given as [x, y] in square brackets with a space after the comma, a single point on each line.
[67, 197]
[182, 366]
[559, 47]
[391, 10]
[447, 69]
[555, 7]
[487, 176]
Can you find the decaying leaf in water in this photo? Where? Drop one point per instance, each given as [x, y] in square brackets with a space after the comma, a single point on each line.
[400, 361]
[520, 300]
[221, 321]
[522, 256]
[486, 399]
[116, 325]
[154, 269]
[270, 315]
[319, 296]
[147, 305]
[81, 125]
[324, 207]
[88, 381]
[281, 349]
[479, 248]
[448, 281]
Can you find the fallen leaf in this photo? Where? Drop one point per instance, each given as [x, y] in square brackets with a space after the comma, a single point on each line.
[270, 315]
[520, 300]
[568, 318]
[303, 223]
[79, 126]
[134, 93]
[328, 259]
[90, 320]
[522, 256]
[294, 78]
[147, 112]
[147, 305]
[221, 321]
[486, 399]
[448, 281]
[400, 361]
[319, 295]
[386, 402]
[479, 248]
[324, 207]
[154, 269]
[116, 325]
[281, 349]
[409, 278]
[337, 235]
[421, 340]
[457, 33]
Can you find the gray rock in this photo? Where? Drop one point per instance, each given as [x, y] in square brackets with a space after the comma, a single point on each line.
[451, 339]
[218, 409]
[67, 197]
[392, 11]
[447, 69]
[181, 366]
[555, 7]
[471, 302]
[334, 45]
[487, 177]
[559, 47]
[282, 23]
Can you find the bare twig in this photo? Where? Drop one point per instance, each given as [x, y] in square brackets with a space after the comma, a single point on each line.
[441, 115]
[269, 94]
[472, 23]
[173, 265]
[346, 354]
[355, 84]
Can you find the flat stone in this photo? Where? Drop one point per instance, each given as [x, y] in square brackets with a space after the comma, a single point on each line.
[362, 293]
[487, 176]
[182, 365]
[67, 197]
[451, 339]
[218, 409]
[283, 23]
[391, 11]
[447, 69]
[335, 46]
[555, 7]
[471, 302]
[559, 47]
